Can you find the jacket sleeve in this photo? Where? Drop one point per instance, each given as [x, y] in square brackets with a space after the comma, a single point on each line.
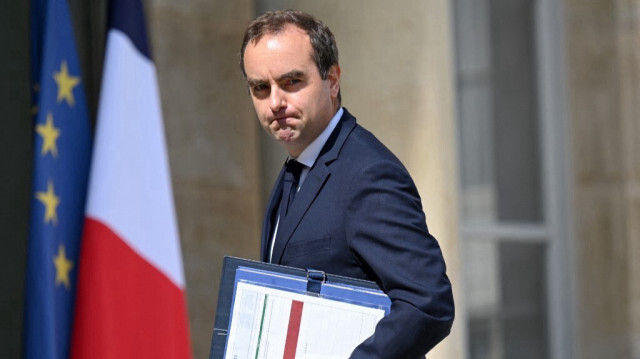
[387, 233]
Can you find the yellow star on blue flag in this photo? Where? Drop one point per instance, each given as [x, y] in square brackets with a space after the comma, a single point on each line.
[49, 134]
[66, 83]
[63, 267]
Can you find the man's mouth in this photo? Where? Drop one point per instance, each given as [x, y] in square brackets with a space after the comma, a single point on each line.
[282, 120]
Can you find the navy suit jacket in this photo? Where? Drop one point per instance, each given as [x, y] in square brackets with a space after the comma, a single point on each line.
[358, 214]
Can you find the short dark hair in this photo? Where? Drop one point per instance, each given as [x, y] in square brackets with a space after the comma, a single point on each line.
[325, 50]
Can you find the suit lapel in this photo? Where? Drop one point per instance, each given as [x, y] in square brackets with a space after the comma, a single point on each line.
[312, 185]
[308, 192]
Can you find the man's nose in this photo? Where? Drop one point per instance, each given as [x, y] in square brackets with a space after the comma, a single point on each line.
[277, 99]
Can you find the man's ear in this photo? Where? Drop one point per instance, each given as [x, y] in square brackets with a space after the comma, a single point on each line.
[334, 80]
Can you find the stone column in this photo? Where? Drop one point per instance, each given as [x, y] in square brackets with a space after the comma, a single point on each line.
[604, 85]
[627, 13]
[397, 79]
[213, 145]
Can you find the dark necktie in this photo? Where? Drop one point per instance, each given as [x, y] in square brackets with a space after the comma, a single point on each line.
[291, 178]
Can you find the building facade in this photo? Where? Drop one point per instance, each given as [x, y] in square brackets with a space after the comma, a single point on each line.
[518, 119]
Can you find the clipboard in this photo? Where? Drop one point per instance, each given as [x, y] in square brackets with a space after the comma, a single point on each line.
[267, 310]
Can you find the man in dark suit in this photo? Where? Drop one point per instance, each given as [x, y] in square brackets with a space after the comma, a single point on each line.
[353, 209]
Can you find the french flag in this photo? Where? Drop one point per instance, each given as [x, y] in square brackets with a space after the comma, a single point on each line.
[130, 299]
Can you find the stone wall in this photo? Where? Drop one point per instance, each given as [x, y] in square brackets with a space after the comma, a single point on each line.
[604, 84]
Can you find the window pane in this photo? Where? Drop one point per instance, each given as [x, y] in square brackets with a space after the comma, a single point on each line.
[475, 109]
[515, 146]
[505, 297]
[497, 111]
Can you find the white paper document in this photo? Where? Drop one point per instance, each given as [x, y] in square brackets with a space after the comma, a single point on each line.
[269, 323]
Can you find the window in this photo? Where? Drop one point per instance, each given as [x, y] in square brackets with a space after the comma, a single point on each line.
[510, 230]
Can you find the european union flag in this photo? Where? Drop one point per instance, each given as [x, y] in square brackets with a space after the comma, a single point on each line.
[62, 151]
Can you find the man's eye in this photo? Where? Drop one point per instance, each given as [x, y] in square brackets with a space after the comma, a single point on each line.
[292, 84]
[258, 88]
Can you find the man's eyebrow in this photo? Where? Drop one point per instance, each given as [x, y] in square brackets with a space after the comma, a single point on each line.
[286, 76]
[290, 75]
[255, 82]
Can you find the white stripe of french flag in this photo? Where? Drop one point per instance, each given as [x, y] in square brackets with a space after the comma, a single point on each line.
[130, 299]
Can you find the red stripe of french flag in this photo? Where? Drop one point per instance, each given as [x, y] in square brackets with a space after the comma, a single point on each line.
[129, 309]
[130, 299]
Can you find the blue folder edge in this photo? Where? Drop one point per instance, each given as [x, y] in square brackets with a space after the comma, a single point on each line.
[237, 270]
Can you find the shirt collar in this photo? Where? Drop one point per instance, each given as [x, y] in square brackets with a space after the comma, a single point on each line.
[310, 154]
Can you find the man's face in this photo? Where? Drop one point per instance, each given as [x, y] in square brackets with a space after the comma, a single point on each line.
[293, 103]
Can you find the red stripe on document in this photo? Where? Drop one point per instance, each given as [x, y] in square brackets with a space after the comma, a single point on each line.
[294, 329]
